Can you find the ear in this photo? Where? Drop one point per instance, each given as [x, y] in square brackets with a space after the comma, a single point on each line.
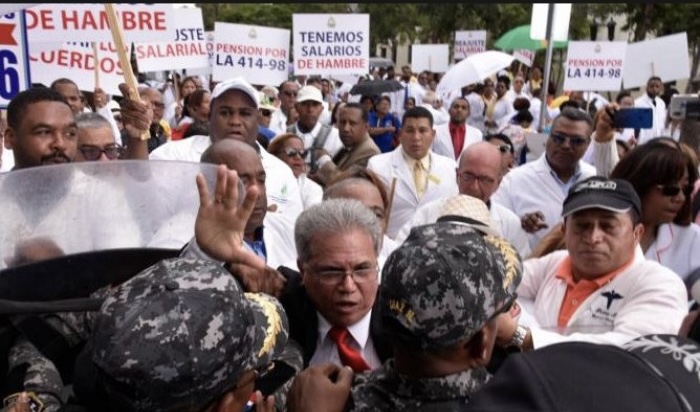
[9, 139]
[480, 346]
[638, 232]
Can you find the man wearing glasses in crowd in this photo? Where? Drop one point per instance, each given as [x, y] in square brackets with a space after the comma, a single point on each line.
[284, 117]
[536, 190]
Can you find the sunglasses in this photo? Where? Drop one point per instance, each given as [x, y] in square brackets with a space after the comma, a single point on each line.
[673, 190]
[93, 153]
[575, 141]
[294, 152]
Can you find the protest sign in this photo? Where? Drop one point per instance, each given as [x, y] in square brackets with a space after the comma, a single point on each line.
[79, 22]
[205, 71]
[666, 57]
[468, 43]
[257, 53]
[592, 65]
[331, 44]
[431, 57]
[14, 7]
[186, 50]
[14, 67]
[524, 56]
[76, 61]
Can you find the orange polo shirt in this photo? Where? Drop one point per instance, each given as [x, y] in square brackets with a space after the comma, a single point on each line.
[577, 292]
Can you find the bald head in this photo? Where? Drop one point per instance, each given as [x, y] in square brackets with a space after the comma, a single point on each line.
[230, 152]
[363, 190]
[242, 158]
[479, 171]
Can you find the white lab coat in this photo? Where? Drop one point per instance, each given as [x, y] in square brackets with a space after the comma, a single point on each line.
[530, 187]
[441, 184]
[651, 300]
[281, 185]
[659, 113]
[442, 144]
[677, 248]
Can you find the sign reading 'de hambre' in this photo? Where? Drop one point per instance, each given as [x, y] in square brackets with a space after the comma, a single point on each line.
[331, 44]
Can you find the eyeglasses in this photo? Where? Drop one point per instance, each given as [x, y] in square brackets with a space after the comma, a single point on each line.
[94, 152]
[504, 148]
[470, 177]
[359, 276]
[575, 141]
[673, 190]
[294, 152]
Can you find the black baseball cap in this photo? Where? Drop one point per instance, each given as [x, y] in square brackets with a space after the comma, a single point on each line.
[597, 192]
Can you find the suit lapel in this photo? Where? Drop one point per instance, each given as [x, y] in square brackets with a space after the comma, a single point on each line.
[401, 172]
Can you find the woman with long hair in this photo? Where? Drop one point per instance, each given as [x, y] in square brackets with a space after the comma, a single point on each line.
[663, 175]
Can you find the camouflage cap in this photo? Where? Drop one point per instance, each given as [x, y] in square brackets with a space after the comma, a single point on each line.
[445, 282]
[181, 333]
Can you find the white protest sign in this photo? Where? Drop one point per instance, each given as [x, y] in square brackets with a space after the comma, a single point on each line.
[560, 21]
[331, 44]
[257, 53]
[431, 57]
[666, 57]
[88, 21]
[76, 61]
[524, 56]
[593, 65]
[13, 7]
[468, 43]
[205, 71]
[186, 50]
[14, 67]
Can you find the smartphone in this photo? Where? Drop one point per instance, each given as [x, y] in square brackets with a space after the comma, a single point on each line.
[684, 106]
[634, 118]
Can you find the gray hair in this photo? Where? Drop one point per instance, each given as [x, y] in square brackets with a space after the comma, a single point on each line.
[334, 216]
[91, 120]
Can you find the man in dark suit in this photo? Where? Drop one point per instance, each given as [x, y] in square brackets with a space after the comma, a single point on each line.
[330, 301]
[358, 147]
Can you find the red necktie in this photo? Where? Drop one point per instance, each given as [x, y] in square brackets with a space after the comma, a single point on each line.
[348, 355]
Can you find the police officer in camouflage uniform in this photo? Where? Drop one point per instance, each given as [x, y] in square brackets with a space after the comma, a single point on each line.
[441, 292]
[181, 335]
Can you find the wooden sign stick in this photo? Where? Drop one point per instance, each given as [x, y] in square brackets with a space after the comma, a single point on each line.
[124, 60]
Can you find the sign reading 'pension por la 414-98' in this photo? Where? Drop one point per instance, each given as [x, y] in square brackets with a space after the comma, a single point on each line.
[259, 54]
[331, 44]
[592, 65]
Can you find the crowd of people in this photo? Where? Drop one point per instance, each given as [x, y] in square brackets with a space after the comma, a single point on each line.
[397, 251]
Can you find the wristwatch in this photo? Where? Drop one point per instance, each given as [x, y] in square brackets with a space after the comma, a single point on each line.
[518, 337]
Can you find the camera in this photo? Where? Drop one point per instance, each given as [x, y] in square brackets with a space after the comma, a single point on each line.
[684, 106]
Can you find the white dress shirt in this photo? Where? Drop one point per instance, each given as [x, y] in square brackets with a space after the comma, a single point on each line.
[327, 350]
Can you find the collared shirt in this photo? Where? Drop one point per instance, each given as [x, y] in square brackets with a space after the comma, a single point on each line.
[257, 246]
[577, 292]
[564, 186]
[327, 350]
[425, 165]
[384, 389]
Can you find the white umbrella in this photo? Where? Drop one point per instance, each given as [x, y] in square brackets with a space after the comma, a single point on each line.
[474, 69]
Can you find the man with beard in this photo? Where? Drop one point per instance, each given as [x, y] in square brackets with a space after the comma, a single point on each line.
[536, 190]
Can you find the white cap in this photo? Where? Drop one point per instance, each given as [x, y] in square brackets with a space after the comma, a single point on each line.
[309, 93]
[237, 83]
[265, 103]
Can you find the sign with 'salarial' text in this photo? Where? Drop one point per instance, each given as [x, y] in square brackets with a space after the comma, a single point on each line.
[468, 43]
[80, 22]
[76, 61]
[186, 50]
[331, 44]
[592, 65]
[257, 53]
[14, 67]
